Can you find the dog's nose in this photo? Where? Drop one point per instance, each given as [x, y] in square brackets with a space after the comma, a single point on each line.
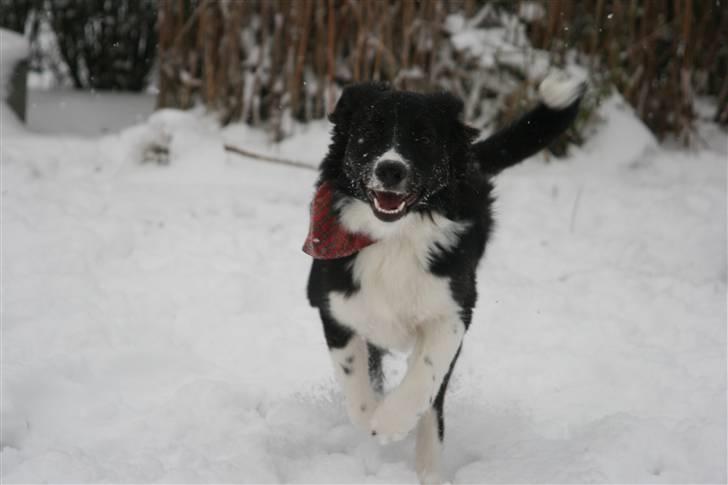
[391, 173]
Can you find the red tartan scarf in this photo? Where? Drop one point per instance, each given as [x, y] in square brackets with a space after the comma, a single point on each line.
[327, 237]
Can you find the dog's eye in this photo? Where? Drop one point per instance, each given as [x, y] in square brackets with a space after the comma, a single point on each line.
[425, 140]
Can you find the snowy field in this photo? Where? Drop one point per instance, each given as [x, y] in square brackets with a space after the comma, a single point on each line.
[155, 326]
[67, 111]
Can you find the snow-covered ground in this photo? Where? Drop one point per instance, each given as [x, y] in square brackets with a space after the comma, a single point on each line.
[155, 328]
[86, 113]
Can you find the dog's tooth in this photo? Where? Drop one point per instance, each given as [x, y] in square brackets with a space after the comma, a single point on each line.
[390, 211]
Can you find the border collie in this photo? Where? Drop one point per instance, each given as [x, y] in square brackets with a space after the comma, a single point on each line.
[399, 222]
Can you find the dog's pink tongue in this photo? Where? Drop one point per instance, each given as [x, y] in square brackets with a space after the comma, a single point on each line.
[389, 200]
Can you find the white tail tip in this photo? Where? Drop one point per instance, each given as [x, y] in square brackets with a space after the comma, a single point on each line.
[558, 90]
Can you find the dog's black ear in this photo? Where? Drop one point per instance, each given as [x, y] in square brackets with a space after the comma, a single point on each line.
[451, 110]
[354, 98]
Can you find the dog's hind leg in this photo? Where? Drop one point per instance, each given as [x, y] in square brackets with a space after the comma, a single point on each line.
[351, 360]
[430, 436]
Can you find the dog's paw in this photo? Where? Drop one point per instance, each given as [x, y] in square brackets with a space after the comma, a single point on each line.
[397, 415]
[429, 478]
[559, 90]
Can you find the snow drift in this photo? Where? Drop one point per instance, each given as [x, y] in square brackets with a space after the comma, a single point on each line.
[155, 329]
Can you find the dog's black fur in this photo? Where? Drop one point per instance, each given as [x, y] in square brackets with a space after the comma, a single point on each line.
[450, 176]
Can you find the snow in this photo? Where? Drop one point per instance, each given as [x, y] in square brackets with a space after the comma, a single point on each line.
[155, 326]
[306, 144]
[491, 46]
[531, 11]
[66, 110]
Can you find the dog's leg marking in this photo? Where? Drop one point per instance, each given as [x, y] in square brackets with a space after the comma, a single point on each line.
[428, 449]
[430, 362]
[376, 373]
[352, 373]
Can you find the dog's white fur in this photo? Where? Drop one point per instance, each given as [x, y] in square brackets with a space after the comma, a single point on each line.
[351, 367]
[428, 450]
[390, 154]
[398, 292]
[558, 90]
[401, 305]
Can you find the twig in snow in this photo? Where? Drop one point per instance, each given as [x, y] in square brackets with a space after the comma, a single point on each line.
[574, 209]
[268, 158]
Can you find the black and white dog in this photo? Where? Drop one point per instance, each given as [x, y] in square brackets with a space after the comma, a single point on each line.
[405, 196]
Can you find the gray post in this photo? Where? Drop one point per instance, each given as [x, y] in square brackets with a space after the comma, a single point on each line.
[17, 93]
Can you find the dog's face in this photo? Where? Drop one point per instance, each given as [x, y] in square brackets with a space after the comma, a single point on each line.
[398, 148]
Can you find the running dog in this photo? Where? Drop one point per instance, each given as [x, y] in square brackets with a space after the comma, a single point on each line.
[400, 219]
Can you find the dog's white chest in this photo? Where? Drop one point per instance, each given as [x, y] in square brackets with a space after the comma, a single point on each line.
[397, 292]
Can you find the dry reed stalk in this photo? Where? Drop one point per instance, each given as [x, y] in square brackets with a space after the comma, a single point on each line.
[331, 39]
[253, 60]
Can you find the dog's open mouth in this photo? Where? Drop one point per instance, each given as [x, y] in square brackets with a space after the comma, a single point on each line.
[390, 206]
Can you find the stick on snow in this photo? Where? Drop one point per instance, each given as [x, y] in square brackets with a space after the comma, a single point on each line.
[268, 158]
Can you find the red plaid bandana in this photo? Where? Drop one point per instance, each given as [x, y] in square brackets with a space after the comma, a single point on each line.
[327, 237]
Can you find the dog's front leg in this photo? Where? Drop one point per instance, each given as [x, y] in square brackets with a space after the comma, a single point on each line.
[436, 347]
[350, 357]
[352, 373]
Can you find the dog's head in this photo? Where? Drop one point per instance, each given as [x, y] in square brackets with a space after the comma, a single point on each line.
[393, 149]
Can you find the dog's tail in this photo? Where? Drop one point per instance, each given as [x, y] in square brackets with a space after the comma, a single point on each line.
[534, 131]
